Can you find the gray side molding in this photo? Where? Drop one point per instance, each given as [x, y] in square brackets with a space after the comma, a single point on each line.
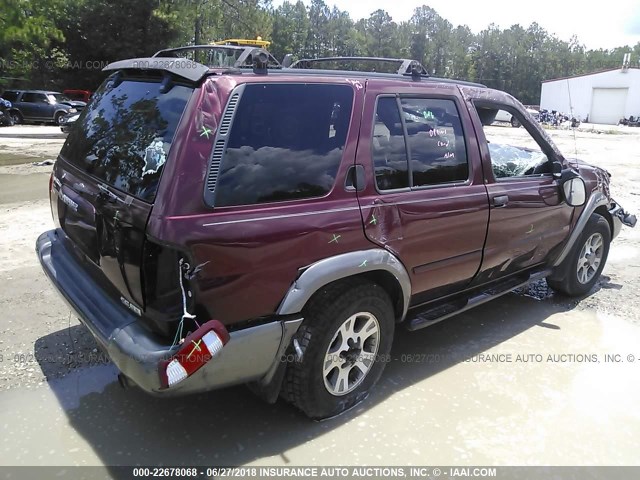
[596, 200]
[331, 269]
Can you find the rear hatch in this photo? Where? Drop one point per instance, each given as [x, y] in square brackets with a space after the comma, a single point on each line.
[108, 172]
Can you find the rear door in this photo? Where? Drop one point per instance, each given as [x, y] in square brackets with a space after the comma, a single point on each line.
[32, 104]
[108, 171]
[424, 199]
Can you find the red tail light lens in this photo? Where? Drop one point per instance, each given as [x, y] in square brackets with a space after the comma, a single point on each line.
[196, 350]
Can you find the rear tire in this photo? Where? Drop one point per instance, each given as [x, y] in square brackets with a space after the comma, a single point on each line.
[579, 272]
[346, 339]
[515, 123]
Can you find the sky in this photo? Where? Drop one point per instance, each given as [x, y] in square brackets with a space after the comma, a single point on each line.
[601, 24]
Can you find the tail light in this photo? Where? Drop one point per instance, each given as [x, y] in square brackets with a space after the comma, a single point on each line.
[197, 349]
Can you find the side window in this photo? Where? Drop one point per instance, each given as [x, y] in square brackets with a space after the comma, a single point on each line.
[429, 132]
[286, 143]
[29, 97]
[514, 152]
[389, 148]
[436, 141]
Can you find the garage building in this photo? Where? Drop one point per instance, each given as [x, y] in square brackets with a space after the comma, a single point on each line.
[602, 97]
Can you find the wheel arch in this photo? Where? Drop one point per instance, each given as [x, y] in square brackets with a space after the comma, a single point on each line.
[596, 201]
[375, 265]
[604, 212]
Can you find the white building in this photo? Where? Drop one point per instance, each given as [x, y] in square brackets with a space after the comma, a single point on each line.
[602, 97]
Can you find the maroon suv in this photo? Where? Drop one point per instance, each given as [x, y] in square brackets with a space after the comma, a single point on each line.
[273, 227]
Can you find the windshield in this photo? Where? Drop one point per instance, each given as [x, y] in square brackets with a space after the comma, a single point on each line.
[124, 135]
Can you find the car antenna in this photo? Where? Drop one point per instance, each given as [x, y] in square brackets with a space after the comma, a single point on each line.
[575, 143]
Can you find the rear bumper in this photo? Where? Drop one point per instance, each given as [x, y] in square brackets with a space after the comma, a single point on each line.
[251, 354]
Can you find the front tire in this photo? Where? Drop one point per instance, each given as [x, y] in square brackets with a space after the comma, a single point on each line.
[580, 271]
[345, 340]
[17, 118]
[515, 123]
[58, 118]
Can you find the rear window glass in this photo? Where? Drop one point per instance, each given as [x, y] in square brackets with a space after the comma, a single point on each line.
[123, 136]
[286, 143]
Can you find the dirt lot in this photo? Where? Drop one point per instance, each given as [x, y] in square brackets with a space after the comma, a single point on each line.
[57, 391]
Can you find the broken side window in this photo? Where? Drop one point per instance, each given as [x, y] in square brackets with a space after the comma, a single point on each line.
[513, 152]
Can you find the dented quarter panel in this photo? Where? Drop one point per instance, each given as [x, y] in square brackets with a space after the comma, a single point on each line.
[252, 253]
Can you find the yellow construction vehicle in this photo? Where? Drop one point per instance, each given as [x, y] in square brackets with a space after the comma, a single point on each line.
[243, 42]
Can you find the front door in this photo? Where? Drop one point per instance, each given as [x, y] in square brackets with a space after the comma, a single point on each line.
[528, 219]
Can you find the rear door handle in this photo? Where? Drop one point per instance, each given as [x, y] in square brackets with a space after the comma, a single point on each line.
[500, 200]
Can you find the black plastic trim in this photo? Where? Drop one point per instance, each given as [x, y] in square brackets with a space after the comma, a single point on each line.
[220, 145]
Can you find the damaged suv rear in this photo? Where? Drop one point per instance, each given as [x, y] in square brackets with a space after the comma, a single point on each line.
[217, 227]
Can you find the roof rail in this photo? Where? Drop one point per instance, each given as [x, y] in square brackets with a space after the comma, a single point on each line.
[399, 66]
[221, 56]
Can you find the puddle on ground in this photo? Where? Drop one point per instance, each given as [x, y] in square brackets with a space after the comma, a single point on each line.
[564, 404]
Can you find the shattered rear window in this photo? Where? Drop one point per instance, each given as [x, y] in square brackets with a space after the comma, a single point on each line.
[124, 135]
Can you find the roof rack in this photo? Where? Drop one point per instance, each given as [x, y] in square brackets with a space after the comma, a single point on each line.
[222, 56]
[399, 66]
[260, 61]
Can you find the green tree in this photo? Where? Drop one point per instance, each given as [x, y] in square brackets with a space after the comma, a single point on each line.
[381, 31]
[101, 31]
[290, 29]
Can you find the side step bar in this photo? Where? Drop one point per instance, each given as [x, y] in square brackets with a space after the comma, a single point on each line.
[433, 315]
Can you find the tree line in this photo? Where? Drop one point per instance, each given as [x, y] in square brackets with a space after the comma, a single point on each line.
[64, 43]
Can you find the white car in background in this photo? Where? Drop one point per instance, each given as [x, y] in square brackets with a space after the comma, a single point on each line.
[506, 117]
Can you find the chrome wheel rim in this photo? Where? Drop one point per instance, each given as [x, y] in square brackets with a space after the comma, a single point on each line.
[351, 353]
[590, 258]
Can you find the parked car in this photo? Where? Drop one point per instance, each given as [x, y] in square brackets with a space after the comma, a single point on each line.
[40, 105]
[68, 121]
[5, 118]
[274, 228]
[506, 117]
[79, 95]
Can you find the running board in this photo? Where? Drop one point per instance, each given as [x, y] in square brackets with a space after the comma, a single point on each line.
[433, 315]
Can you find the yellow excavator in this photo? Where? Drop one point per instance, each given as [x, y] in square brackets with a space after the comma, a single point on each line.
[243, 42]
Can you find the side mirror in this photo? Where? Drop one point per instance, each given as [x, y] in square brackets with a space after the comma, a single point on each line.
[575, 192]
